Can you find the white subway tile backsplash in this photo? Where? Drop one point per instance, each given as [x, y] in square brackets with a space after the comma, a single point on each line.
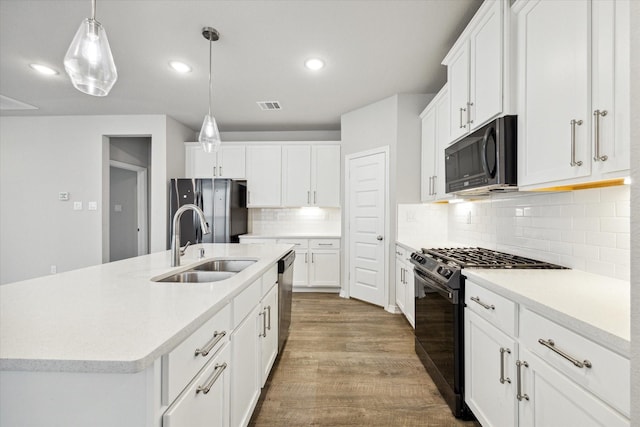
[585, 230]
[295, 220]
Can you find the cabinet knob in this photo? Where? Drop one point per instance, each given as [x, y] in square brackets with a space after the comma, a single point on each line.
[379, 238]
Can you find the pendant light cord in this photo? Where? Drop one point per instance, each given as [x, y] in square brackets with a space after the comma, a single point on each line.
[93, 10]
[210, 84]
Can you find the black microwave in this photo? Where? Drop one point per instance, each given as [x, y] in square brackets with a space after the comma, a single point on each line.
[485, 160]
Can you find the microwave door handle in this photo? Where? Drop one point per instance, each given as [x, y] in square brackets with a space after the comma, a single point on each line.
[485, 145]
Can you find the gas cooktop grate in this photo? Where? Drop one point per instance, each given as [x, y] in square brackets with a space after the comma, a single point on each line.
[484, 258]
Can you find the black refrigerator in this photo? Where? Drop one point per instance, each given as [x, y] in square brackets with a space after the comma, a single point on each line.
[223, 201]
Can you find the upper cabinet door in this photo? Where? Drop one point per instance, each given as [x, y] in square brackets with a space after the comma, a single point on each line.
[458, 79]
[554, 117]
[199, 164]
[429, 155]
[485, 73]
[296, 175]
[325, 175]
[264, 167]
[231, 161]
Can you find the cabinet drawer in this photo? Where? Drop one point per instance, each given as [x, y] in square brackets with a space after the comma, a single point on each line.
[246, 301]
[498, 310]
[401, 252]
[299, 243]
[256, 240]
[183, 362]
[196, 407]
[324, 243]
[608, 376]
[269, 278]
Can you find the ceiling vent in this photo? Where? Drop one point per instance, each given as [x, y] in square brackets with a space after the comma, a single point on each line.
[269, 105]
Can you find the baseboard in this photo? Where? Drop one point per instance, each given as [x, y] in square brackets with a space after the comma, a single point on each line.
[317, 290]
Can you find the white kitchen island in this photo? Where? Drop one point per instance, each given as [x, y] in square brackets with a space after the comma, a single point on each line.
[102, 346]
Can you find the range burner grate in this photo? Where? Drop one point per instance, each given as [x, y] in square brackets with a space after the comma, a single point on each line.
[485, 258]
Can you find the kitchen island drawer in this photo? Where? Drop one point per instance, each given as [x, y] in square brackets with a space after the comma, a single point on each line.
[494, 308]
[592, 366]
[298, 243]
[183, 362]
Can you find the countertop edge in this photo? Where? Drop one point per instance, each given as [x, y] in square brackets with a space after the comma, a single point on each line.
[600, 336]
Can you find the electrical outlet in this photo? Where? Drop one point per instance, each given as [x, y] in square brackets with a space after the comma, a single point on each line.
[92, 206]
[63, 196]
[54, 269]
[77, 206]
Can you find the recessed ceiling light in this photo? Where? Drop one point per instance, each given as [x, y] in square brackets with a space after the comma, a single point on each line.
[314, 64]
[180, 67]
[43, 69]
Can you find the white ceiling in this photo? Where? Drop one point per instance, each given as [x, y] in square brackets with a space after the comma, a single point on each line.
[372, 48]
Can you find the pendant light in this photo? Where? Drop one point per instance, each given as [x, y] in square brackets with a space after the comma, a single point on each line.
[209, 135]
[88, 61]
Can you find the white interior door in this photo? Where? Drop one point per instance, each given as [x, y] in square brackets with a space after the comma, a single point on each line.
[367, 207]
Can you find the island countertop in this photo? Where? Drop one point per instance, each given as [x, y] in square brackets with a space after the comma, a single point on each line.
[112, 317]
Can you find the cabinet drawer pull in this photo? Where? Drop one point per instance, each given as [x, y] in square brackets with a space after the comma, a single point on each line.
[398, 253]
[217, 336]
[219, 368]
[519, 394]
[551, 345]
[573, 123]
[325, 244]
[502, 378]
[269, 319]
[485, 305]
[596, 133]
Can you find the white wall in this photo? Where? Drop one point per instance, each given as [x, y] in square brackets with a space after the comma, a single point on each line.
[635, 218]
[41, 156]
[313, 135]
[585, 230]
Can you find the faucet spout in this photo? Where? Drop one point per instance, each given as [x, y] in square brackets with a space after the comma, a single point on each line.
[175, 237]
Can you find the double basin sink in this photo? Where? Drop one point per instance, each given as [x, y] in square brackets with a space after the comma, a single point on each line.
[210, 271]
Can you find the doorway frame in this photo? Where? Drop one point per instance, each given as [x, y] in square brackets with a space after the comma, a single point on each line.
[142, 208]
[346, 274]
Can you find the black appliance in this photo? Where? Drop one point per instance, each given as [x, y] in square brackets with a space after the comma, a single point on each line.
[485, 160]
[439, 311]
[223, 201]
[285, 284]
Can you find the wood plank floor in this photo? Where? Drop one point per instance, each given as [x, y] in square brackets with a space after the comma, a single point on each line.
[349, 363]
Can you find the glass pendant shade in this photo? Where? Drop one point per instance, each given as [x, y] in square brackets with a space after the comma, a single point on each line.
[209, 135]
[89, 62]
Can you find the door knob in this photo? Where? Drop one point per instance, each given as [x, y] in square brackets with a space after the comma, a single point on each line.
[379, 238]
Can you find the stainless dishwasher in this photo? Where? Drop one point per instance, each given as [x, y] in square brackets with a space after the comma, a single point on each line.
[285, 284]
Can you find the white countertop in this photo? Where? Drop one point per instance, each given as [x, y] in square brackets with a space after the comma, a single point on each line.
[291, 236]
[418, 244]
[595, 306]
[112, 317]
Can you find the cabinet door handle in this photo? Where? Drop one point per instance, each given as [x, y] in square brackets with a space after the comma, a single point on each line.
[269, 318]
[219, 170]
[263, 313]
[313, 259]
[502, 378]
[469, 105]
[248, 197]
[519, 394]
[219, 368]
[485, 305]
[214, 171]
[217, 336]
[308, 197]
[430, 181]
[596, 133]
[573, 123]
[461, 111]
[401, 275]
[551, 345]
[315, 197]
[306, 258]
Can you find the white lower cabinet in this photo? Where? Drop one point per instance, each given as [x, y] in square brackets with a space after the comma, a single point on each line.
[539, 374]
[405, 285]
[205, 401]
[245, 376]
[268, 333]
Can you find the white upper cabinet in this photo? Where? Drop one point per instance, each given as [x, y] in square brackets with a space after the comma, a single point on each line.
[311, 175]
[264, 174]
[228, 162]
[573, 84]
[435, 138]
[475, 70]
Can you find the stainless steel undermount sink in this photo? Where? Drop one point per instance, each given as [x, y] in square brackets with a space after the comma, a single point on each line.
[210, 271]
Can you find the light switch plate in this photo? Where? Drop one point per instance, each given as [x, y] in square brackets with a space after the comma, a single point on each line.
[77, 206]
[63, 196]
[92, 206]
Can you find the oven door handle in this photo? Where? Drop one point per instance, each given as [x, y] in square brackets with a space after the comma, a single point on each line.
[450, 294]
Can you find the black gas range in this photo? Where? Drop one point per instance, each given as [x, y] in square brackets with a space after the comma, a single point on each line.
[439, 308]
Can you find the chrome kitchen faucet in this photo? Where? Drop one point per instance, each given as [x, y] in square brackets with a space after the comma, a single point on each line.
[176, 251]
